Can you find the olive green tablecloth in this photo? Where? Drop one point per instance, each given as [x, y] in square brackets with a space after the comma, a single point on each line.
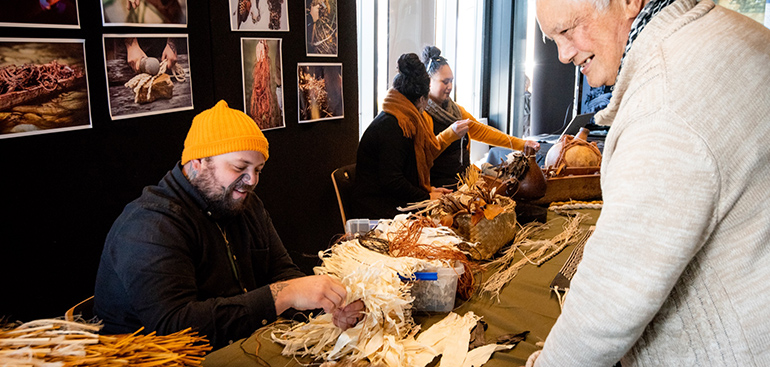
[526, 304]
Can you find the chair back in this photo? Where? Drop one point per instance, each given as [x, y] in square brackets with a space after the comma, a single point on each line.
[343, 179]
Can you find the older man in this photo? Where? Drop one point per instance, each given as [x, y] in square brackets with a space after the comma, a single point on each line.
[199, 249]
[676, 273]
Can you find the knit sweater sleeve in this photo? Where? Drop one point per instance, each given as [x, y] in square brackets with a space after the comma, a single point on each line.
[446, 137]
[639, 250]
[489, 135]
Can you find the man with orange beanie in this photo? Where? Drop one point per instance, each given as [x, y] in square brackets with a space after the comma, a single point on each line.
[199, 249]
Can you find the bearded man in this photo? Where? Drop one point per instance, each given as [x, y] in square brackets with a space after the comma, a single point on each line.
[199, 249]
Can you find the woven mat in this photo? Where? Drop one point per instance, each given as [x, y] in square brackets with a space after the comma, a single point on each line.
[564, 277]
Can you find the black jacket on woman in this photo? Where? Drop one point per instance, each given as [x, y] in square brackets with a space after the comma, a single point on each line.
[386, 171]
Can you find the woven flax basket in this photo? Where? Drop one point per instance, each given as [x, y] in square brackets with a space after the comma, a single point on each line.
[489, 235]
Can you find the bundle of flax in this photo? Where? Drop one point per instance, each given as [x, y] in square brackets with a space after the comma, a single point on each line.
[388, 335]
[59, 343]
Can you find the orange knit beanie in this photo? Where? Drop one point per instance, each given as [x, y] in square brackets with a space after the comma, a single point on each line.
[221, 130]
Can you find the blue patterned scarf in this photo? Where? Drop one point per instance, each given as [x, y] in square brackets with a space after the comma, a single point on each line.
[650, 10]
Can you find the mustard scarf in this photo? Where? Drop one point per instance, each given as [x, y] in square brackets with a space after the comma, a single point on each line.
[417, 128]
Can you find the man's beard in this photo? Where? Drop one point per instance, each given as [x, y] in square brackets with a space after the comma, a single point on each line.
[220, 198]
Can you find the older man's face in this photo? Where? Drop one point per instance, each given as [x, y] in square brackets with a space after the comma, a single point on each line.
[590, 38]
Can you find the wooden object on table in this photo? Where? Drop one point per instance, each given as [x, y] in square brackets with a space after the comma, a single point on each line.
[583, 183]
[533, 185]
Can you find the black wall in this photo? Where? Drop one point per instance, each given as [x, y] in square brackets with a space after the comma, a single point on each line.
[60, 192]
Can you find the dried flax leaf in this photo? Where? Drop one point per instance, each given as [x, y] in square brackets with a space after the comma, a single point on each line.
[533, 251]
[53, 342]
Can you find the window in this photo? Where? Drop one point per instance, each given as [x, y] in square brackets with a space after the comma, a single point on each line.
[389, 28]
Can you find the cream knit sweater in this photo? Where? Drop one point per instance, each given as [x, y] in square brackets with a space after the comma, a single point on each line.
[677, 272]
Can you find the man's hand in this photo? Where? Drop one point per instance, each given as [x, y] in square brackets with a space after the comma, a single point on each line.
[350, 315]
[307, 293]
[134, 53]
[169, 53]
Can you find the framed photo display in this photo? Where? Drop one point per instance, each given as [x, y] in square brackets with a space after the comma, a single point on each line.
[259, 15]
[321, 36]
[145, 13]
[263, 81]
[147, 74]
[319, 87]
[39, 13]
[44, 87]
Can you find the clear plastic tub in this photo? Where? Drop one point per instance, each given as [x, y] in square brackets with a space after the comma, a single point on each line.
[435, 289]
[359, 226]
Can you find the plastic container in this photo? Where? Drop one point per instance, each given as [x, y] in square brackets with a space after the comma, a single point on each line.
[359, 226]
[435, 290]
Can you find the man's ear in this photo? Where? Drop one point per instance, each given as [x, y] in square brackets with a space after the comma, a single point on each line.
[196, 164]
[634, 7]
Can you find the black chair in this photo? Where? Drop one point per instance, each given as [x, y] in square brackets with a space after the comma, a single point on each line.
[343, 179]
[84, 309]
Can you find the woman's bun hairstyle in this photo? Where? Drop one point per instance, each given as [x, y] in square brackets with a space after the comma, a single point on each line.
[412, 80]
[432, 59]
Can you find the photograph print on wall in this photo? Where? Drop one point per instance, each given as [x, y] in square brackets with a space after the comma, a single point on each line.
[145, 13]
[39, 13]
[321, 36]
[259, 15]
[263, 81]
[43, 86]
[320, 91]
[147, 74]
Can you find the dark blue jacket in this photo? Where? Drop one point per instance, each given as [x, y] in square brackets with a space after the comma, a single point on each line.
[165, 266]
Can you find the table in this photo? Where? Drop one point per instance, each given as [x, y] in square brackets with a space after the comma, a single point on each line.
[526, 304]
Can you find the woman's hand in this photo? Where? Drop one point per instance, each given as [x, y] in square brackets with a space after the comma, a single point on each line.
[460, 127]
[437, 192]
[535, 146]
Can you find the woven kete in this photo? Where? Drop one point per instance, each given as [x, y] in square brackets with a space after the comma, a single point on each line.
[490, 235]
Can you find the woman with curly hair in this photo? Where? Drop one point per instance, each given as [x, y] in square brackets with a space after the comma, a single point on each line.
[397, 150]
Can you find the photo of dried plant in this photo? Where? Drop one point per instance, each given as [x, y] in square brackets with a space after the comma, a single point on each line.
[259, 15]
[320, 91]
[144, 13]
[147, 74]
[43, 86]
[321, 33]
[39, 13]
[263, 81]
